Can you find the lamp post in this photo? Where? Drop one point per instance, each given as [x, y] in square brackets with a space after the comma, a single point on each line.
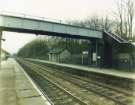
[0, 46]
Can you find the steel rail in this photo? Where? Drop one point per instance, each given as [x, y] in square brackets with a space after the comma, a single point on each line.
[61, 88]
[86, 86]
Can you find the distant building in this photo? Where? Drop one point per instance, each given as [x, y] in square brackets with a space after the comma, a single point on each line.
[59, 55]
[4, 54]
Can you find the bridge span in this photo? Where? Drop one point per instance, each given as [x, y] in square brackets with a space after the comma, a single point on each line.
[39, 26]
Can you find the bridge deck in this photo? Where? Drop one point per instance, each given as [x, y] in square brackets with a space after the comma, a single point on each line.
[29, 25]
[16, 88]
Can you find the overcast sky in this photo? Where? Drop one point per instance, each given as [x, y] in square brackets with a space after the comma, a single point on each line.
[56, 9]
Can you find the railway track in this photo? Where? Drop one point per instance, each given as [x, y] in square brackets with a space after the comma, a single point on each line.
[57, 94]
[114, 88]
[118, 97]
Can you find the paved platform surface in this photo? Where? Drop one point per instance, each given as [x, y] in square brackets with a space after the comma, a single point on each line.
[15, 87]
[123, 74]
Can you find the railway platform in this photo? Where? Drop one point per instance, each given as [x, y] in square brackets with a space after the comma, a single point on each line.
[16, 87]
[111, 72]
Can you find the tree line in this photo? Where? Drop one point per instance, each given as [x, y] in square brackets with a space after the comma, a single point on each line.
[37, 48]
[40, 47]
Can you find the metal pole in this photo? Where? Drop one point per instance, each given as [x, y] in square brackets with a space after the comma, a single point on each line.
[96, 53]
[82, 59]
[0, 46]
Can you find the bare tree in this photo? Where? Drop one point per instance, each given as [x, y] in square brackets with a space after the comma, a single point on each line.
[107, 24]
[125, 16]
[120, 17]
[130, 16]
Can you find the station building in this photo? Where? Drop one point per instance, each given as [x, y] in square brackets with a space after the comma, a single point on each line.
[59, 55]
[113, 52]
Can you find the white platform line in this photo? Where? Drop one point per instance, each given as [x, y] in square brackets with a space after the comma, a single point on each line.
[33, 83]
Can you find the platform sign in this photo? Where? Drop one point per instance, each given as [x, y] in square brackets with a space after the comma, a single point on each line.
[85, 52]
[98, 57]
[94, 57]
